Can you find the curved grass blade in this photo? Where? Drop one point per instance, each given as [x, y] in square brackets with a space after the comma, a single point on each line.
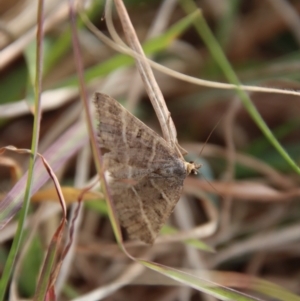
[150, 47]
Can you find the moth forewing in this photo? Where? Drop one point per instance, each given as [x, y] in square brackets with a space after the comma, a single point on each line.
[146, 173]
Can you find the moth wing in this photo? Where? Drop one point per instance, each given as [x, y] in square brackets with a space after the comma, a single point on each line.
[127, 141]
[145, 207]
[138, 160]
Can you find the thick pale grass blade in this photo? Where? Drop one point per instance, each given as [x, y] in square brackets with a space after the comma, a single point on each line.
[57, 155]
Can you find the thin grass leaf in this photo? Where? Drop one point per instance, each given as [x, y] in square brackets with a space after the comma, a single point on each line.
[44, 281]
[152, 46]
[57, 155]
[216, 51]
[56, 270]
[275, 291]
[195, 243]
[200, 245]
[48, 266]
[42, 288]
[8, 268]
[71, 195]
[95, 149]
[30, 58]
[197, 283]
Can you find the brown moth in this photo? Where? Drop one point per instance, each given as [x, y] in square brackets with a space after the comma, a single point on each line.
[147, 173]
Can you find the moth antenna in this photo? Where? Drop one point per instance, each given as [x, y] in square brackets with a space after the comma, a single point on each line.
[211, 132]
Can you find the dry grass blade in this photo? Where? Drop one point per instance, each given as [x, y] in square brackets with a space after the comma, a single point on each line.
[179, 75]
[238, 229]
[45, 284]
[50, 258]
[150, 84]
[71, 195]
[159, 24]
[95, 149]
[245, 190]
[57, 154]
[51, 100]
[36, 77]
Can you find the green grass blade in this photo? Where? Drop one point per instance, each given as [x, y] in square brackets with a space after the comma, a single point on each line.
[197, 283]
[34, 145]
[217, 53]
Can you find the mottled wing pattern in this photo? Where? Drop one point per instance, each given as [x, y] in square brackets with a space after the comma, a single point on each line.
[147, 175]
[128, 141]
[145, 207]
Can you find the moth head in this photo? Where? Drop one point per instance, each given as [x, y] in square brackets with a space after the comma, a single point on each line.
[191, 167]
